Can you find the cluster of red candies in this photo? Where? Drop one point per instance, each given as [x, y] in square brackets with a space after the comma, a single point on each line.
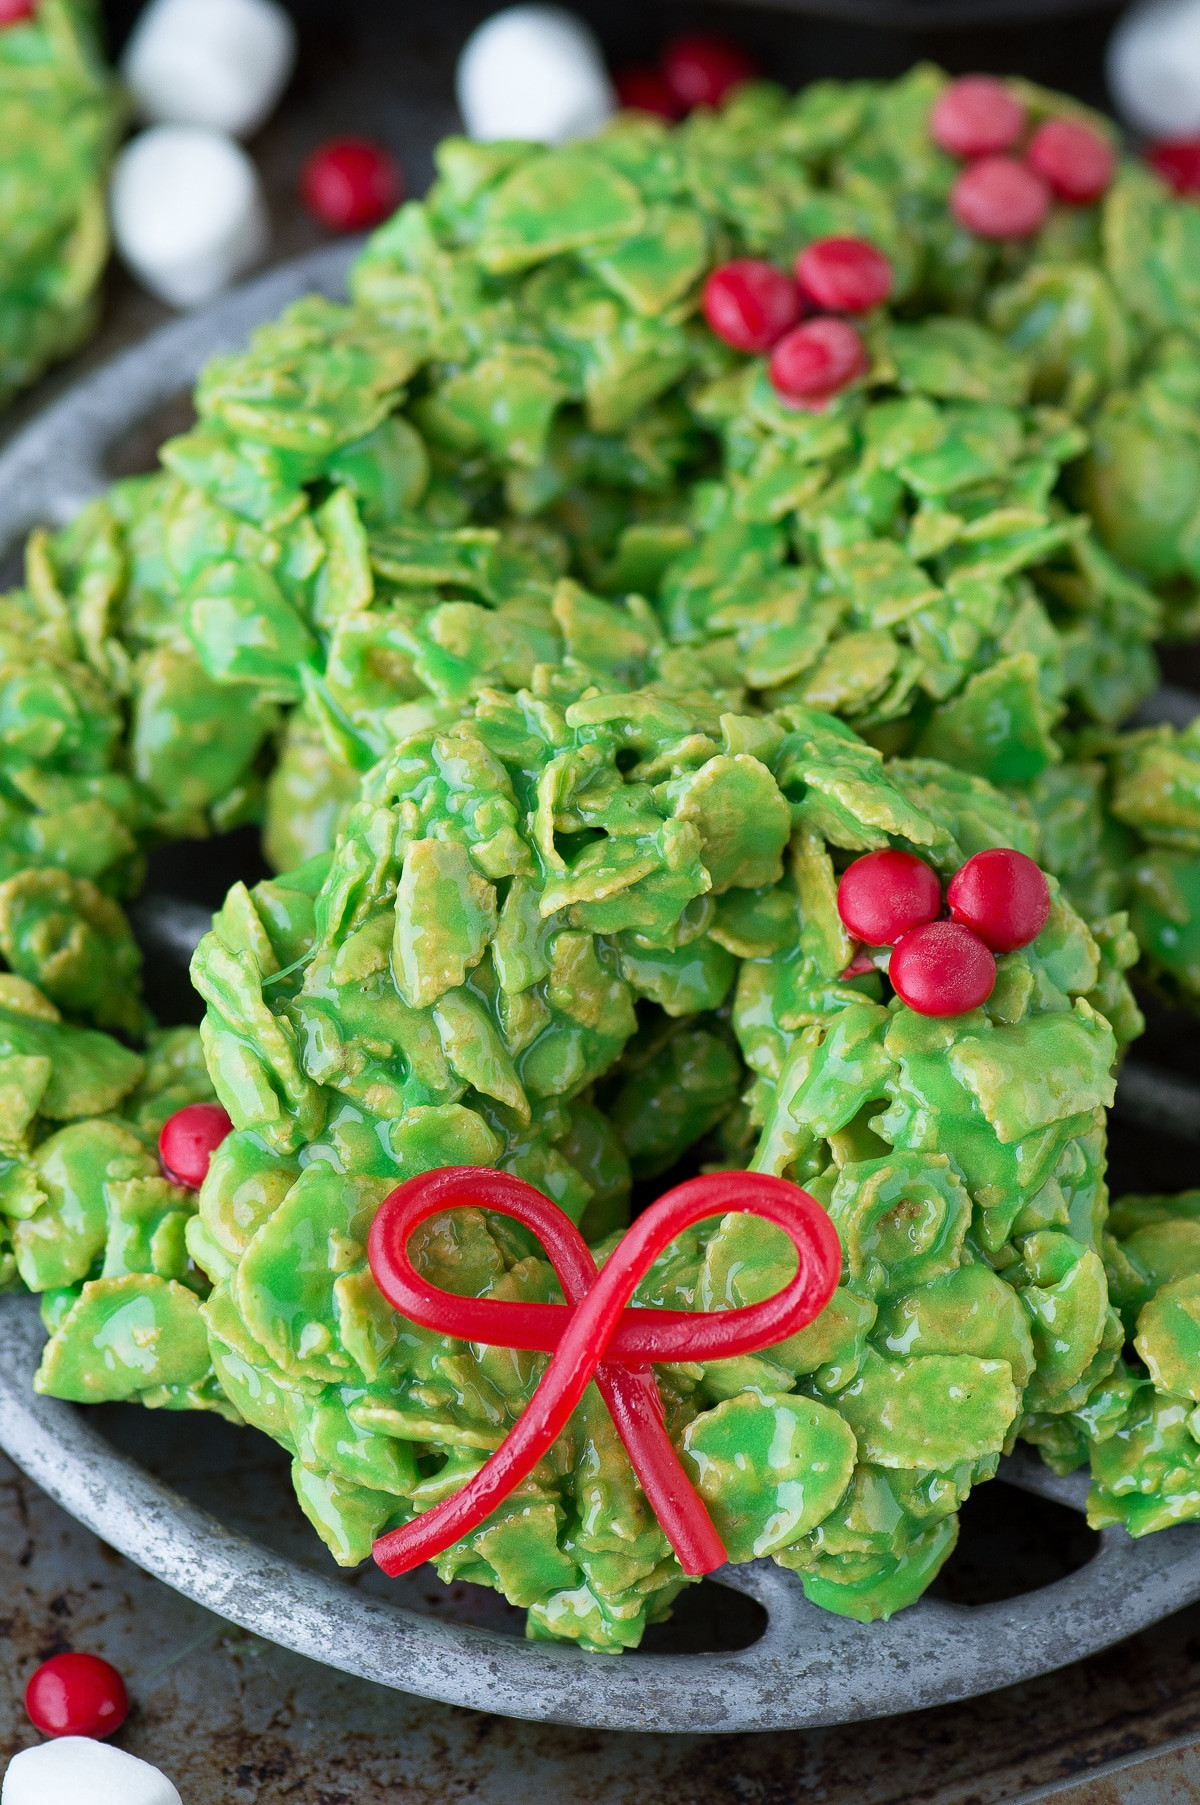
[997, 902]
[1004, 192]
[756, 307]
[694, 70]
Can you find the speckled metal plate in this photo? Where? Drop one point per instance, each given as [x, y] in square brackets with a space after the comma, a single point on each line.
[807, 1667]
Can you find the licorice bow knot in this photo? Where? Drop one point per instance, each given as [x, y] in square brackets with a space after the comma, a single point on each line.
[594, 1334]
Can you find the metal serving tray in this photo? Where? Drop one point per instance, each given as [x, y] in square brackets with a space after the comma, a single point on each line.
[807, 1667]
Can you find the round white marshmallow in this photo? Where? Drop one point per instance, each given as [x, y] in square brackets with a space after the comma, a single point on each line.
[220, 63]
[75, 1770]
[1154, 68]
[533, 72]
[188, 212]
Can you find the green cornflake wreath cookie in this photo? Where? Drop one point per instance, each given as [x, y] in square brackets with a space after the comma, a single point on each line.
[567, 669]
[60, 116]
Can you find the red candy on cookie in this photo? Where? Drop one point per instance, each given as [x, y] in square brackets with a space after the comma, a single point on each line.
[942, 969]
[1178, 163]
[15, 12]
[647, 90]
[844, 275]
[1002, 896]
[701, 69]
[999, 197]
[188, 1141]
[350, 184]
[886, 894]
[1076, 162]
[812, 362]
[76, 1695]
[976, 117]
[750, 304]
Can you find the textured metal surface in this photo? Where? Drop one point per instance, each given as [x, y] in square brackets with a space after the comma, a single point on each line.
[807, 1668]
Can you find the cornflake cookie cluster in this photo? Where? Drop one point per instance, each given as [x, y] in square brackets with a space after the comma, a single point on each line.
[571, 657]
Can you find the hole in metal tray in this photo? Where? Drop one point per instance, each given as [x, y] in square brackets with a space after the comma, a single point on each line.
[1011, 1542]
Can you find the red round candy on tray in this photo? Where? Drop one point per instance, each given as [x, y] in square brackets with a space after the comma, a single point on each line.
[1002, 896]
[844, 275]
[998, 197]
[812, 362]
[750, 304]
[646, 90]
[700, 70]
[976, 117]
[188, 1141]
[1076, 162]
[885, 894]
[76, 1695]
[15, 12]
[351, 183]
[942, 969]
[1178, 163]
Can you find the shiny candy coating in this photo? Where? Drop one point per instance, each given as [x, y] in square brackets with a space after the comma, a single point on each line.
[701, 70]
[76, 1695]
[750, 304]
[1002, 896]
[976, 116]
[351, 183]
[816, 360]
[884, 894]
[1000, 197]
[844, 275]
[188, 1141]
[1076, 162]
[942, 969]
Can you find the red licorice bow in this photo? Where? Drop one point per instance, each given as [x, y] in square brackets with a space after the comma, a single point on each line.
[594, 1334]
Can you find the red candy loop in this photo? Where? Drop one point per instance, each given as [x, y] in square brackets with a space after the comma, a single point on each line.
[976, 117]
[189, 1139]
[998, 197]
[76, 1695]
[1076, 162]
[594, 1334]
[750, 304]
[844, 275]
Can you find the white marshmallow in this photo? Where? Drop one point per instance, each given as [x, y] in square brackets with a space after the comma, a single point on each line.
[1154, 68]
[74, 1770]
[533, 72]
[221, 63]
[188, 212]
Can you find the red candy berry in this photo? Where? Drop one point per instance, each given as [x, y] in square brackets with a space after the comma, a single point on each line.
[750, 304]
[15, 12]
[886, 894]
[1178, 163]
[76, 1695]
[188, 1141]
[700, 70]
[976, 117]
[647, 91]
[350, 183]
[1077, 162]
[1002, 896]
[942, 969]
[844, 275]
[813, 361]
[1000, 198]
